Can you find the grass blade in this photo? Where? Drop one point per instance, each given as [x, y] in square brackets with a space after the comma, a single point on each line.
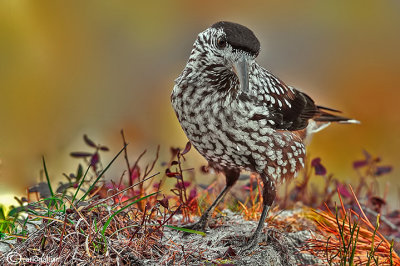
[47, 177]
[80, 184]
[123, 208]
[101, 174]
[186, 230]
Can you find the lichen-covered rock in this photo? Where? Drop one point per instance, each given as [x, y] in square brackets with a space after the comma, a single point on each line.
[222, 244]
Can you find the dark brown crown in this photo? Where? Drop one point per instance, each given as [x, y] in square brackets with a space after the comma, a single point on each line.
[239, 37]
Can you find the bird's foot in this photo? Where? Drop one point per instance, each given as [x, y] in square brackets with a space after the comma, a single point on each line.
[249, 245]
[263, 239]
[257, 239]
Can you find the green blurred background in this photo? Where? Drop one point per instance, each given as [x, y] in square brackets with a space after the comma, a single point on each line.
[69, 68]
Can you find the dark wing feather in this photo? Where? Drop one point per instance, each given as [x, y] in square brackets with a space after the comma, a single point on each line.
[289, 108]
[292, 109]
[302, 108]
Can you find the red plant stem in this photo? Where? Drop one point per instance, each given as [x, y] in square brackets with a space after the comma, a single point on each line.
[181, 173]
[62, 235]
[137, 161]
[126, 157]
[141, 225]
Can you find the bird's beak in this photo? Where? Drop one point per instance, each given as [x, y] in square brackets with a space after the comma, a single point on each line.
[241, 69]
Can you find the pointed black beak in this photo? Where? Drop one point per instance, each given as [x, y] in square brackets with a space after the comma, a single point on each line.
[241, 69]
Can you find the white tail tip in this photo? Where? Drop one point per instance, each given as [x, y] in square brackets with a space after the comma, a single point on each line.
[350, 121]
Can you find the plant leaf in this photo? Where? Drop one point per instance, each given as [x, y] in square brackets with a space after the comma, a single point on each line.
[381, 170]
[186, 230]
[359, 163]
[79, 172]
[47, 177]
[102, 173]
[123, 208]
[89, 141]
[187, 148]
[95, 159]
[185, 184]
[80, 184]
[104, 148]
[319, 168]
[80, 154]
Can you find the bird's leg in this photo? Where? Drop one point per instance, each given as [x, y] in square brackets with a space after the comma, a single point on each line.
[231, 177]
[269, 193]
[203, 221]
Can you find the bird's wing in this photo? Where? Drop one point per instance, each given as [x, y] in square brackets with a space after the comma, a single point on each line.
[291, 109]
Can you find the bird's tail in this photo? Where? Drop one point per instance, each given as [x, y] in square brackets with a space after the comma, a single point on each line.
[323, 119]
[324, 115]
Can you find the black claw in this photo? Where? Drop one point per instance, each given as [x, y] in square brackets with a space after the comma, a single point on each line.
[249, 245]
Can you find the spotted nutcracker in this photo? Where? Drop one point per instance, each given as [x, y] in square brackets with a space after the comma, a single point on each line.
[239, 116]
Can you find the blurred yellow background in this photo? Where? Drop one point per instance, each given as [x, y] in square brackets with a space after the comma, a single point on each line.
[69, 68]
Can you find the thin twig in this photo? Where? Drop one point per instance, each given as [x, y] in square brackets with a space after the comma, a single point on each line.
[62, 235]
[137, 161]
[119, 192]
[126, 157]
[154, 162]
[382, 218]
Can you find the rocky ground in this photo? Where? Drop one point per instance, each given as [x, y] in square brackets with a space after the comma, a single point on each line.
[226, 234]
[221, 245]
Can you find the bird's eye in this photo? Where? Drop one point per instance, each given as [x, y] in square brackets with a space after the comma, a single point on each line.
[221, 42]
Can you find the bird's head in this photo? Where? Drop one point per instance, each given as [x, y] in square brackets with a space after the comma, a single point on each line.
[227, 47]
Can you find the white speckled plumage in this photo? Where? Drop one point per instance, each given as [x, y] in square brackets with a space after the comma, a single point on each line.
[239, 116]
[219, 121]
